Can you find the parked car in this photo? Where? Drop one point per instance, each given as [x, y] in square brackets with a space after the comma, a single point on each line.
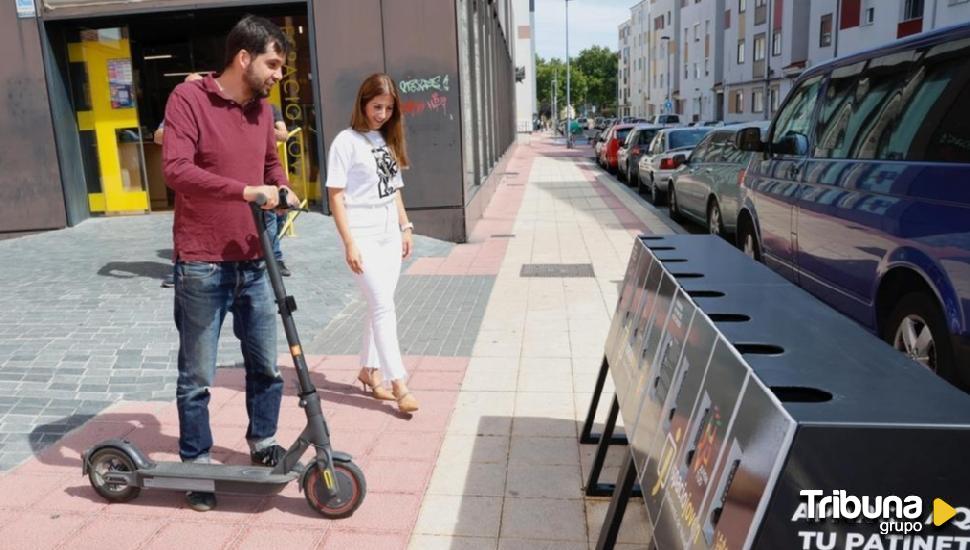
[629, 153]
[614, 137]
[861, 193]
[664, 155]
[665, 120]
[705, 189]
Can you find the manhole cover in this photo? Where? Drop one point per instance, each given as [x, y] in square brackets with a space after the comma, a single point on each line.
[557, 270]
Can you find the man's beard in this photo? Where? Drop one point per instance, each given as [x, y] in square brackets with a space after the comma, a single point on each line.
[258, 87]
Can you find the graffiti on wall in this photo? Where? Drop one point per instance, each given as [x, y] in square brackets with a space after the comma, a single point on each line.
[416, 85]
[417, 100]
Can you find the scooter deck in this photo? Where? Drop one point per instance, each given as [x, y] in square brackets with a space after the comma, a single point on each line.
[218, 478]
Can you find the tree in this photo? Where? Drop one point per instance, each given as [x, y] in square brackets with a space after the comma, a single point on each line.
[592, 80]
[598, 64]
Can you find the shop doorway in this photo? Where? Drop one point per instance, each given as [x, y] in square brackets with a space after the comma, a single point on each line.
[120, 72]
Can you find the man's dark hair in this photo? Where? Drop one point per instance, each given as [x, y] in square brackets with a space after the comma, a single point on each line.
[256, 35]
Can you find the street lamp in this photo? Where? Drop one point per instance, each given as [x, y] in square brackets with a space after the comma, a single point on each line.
[665, 40]
[569, 117]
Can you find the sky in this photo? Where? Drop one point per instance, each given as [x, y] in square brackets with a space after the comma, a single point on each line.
[591, 23]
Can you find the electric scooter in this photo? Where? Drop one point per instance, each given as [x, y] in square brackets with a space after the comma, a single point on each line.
[333, 485]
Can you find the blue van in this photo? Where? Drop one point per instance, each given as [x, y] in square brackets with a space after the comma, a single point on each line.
[861, 193]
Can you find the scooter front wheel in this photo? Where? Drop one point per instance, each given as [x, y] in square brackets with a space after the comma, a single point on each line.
[351, 490]
[109, 460]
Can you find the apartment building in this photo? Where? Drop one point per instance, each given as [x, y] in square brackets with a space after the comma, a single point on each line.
[623, 70]
[701, 60]
[639, 58]
[735, 60]
[838, 28]
[765, 49]
[662, 44]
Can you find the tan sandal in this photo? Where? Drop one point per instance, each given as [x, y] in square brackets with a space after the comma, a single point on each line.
[369, 379]
[406, 403]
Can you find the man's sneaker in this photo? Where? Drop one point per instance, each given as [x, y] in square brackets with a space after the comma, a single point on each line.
[269, 456]
[284, 271]
[168, 282]
[201, 502]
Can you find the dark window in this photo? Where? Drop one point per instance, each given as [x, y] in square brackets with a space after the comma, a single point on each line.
[825, 31]
[646, 136]
[906, 106]
[741, 6]
[759, 47]
[790, 133]
[621, 135]
[776, 43]
[685, 138]
[740, 52]
[912, 9]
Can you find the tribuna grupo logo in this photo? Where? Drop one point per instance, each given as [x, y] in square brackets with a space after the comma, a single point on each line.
[895, 514]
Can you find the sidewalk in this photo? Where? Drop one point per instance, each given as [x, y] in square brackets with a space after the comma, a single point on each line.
[503, 364]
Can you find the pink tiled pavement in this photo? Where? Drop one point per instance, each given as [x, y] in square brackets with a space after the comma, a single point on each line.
[47, 503]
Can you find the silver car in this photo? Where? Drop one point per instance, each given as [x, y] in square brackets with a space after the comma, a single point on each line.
[657, 167]
[706, 189]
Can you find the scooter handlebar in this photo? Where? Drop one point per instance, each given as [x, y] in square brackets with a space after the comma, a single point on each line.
[282, 204]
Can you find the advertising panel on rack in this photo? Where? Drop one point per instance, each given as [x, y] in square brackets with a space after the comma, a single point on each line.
[654, 384]
[629, 302]
[625, 302]
[648, 440]
[758, 442]
[685, 473]
[647, 348]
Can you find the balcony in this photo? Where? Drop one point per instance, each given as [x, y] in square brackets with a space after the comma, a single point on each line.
[912, 26]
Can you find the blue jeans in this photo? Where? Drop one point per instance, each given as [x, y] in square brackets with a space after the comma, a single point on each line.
[204, 293]
[274, 225]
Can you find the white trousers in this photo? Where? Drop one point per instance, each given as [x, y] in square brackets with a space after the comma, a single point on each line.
[378, 237]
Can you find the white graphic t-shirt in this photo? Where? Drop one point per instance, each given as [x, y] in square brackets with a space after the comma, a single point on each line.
[362, 163]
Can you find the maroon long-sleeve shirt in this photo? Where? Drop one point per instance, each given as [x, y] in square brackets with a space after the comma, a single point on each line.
[213, 148]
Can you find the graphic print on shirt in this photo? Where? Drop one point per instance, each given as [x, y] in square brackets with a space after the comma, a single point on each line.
[386, 170]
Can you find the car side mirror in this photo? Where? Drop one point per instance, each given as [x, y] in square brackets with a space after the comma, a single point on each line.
[749, 139]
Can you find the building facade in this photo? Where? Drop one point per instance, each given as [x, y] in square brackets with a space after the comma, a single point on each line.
[524, 60]
[639, 58]
[663, 45]
[623, 107]
[87, 82]
[765, 49]
[838, 28]
[701, 61]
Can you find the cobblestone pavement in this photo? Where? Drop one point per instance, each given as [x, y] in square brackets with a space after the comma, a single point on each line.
[86, 322]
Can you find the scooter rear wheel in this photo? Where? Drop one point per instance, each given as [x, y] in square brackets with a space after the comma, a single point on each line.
[111, 460]
[351, 490]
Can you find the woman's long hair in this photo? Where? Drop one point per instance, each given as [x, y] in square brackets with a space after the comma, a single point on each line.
[393, 128]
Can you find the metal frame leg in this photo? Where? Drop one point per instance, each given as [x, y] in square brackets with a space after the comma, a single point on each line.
[593, 486]
[587, 437]
[614, 515]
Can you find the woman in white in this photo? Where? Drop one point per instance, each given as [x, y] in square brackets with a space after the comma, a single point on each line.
[363, 181]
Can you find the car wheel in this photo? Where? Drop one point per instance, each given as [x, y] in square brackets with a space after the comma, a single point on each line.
[917, 328]
[748, 241]
[620, 172]
[715, 223]
[674, 207]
